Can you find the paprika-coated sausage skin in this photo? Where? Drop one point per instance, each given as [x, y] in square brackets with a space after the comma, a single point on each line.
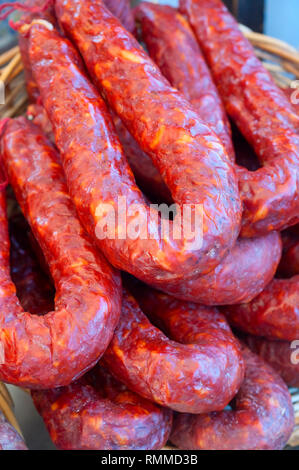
[273, 314]
[261, 111]
[26, 18]
[147, 176]
[261, 418]
[188, 155]
[108, 416]
[202, 371]
[239, 278]
[173, 47]
[281, 355]
[99, 413]
[53, 350]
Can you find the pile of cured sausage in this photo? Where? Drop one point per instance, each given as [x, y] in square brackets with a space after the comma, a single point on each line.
[191, 344]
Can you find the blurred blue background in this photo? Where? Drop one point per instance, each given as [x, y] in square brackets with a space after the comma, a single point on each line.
[281, 20]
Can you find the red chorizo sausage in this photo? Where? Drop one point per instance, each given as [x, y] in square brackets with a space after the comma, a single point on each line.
[281, 355]
[261, 111]
[108, 416]
[200, 371]
[147, 176]
[190, 158]
[48, 15]
[239, 278]
[122, 10]
[53, 350]
[10, 439]
[273, 314]
[173, 47]
[100, 413]
[261, 416]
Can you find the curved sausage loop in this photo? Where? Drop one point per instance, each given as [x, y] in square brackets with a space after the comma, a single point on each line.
[283, 356]
[98, 412]
[273, 314]
[173, 47]
[262, 112]
[261, 416]
[199, 370]
[189, 156]
[53, 350]
[243, 274]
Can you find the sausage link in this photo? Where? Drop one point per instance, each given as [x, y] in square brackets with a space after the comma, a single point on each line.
[239, 278]
[273, 314]
[190, 158]
[48, 15]
[261, 416]
[147, 176]
[281, 355]
[53, 350]
[261, 111]
[173, 47]
[127, 421]
[10, 439]
[100, 413]
[198, 372]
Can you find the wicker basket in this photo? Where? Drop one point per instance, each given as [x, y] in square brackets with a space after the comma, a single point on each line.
[281, 59]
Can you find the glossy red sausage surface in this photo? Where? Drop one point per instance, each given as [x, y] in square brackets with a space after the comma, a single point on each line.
[189, 156]
[261, 416]
[10, 439]
[261, 111]
[281, 355]
[173, 47]
[199, 371]
[26, 18]
[99, 413]
[273, 314]
[53, 350]
[240, 277]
